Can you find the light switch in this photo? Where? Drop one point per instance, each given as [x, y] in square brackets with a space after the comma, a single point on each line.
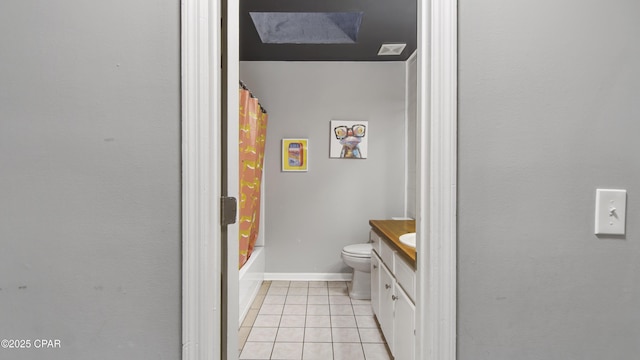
[611, 209]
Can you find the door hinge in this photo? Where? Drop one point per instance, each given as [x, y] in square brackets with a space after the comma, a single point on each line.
[228, 210]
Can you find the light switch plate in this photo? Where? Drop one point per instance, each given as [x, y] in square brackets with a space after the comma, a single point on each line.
[611, 210]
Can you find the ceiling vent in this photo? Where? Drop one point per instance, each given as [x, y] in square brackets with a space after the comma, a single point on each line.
[307, 28]
[391, 49]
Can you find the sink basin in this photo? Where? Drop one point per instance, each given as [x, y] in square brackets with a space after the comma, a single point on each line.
[408, 239]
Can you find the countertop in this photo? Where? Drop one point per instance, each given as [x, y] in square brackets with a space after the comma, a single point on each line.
[391, 230]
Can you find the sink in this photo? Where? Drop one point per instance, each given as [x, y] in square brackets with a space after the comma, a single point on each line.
[408, 239]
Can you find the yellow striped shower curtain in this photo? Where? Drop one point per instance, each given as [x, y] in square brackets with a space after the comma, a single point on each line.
[253, 131]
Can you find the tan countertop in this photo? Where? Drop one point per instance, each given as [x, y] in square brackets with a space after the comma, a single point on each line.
[391, 230]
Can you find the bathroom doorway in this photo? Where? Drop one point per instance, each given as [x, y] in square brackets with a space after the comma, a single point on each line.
[210, 310]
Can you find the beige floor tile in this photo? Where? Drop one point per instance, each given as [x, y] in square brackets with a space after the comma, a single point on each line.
[318, 309]
[310, 320]
[318, 299]
[277, 290]
[343, 321]
[270, 309]
[256, 350]
[243, 334]
[339, 299]
[339, 309]
[287, 351]
[371, 335]
[250, 318]
[337, 284]
[360, 302]
[366, 321]
[267, 321]
[347, 351]
[362, 310]
[317, 351]
[318, 321]
[264, 287]
[318, 291]
[376, 352]
[317, 334]
[345, 335]
[262, 334]
[298, 291]
[274, 299]
[292, 334]
[257, 302]
[296, 299]
[338, 291]
[292, 321]
[294, 309]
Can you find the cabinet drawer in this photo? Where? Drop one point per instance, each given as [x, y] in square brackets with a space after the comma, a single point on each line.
[387, 254]
[405, 276]
[375, 241]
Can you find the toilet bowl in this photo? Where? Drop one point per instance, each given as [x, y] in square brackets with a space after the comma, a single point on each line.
[358, 257]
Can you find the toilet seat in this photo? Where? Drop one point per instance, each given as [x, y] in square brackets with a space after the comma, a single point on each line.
[358, 250]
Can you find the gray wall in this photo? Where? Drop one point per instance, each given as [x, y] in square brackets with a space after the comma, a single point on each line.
[549, 111]
[412, 135]
[90, 178]
[311, 216]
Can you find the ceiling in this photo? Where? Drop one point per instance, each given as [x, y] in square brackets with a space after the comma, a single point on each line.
[383, 21]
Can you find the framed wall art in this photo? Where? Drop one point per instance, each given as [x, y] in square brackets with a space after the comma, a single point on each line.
[349, 139]
[295, 154]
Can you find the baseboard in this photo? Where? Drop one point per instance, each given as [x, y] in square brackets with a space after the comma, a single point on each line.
[309, 276]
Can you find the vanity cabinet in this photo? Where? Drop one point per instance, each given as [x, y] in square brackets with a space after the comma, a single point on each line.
[375, 283]
[392, 297]
[405, 324]
[387, 297]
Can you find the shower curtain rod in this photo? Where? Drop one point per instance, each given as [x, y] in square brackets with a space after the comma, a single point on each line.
[244, 87]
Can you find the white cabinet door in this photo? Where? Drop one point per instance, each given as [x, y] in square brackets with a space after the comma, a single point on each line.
[404, 328]
[375, 283]
[387, 284]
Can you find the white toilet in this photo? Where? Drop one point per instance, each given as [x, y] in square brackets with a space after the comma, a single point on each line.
[358, 256]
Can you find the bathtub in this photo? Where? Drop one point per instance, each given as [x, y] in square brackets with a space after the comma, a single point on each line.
[251, 277]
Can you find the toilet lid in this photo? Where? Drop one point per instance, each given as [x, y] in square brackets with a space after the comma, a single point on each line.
[359, 250]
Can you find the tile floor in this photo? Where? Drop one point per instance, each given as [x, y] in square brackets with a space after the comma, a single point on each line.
[307, 320]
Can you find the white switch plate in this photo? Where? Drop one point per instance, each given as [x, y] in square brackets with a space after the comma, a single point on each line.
[611, 210]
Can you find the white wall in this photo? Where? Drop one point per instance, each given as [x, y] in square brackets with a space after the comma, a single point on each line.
[90, 249]
[549, 110]
[311, 216]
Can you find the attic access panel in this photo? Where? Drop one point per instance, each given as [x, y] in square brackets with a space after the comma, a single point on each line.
[381, 22]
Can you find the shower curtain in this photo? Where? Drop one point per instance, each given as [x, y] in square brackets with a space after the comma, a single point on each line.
[253, 131]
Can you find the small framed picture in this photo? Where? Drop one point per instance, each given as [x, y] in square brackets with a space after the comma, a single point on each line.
[349, 139]
[295, 154]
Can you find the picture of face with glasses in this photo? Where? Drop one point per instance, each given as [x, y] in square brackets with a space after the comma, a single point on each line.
[350, 138]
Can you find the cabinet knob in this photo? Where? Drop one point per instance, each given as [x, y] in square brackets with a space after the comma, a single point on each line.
[386, 286]
[394, 298]
[375, 266]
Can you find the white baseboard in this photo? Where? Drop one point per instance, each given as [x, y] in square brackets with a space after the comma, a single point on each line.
[309, 276]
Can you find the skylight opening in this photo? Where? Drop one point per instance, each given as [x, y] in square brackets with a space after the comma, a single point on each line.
[307, 28]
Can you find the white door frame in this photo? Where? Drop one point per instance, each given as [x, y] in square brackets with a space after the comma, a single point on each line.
[201, 179]
[437, 179]
[201, 174]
